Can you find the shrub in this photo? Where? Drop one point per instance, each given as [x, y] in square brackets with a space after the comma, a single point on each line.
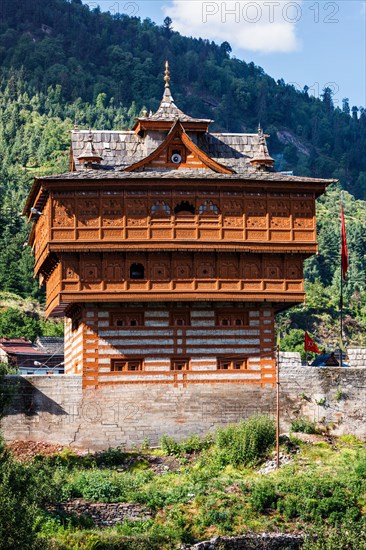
[348, 536]
[111, 457]
[169, 446]
[303, 425]
[360, 466]
[193, 444]
[22, 490]
[105, 486]
[245, 443]
[263, 496]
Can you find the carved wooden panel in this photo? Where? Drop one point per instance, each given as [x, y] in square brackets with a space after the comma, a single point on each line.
[273, 269]
[112, 214]
[232, 207]
[88, 212]
[256, 212]
[113, 269]
[160, 270]
[63, 212]
[204, 266]
[91, 267]
[136, 210]
[294, 269]
[229, 267]
[71, 269]
[279, 210]
[252, 269]
[303, 213]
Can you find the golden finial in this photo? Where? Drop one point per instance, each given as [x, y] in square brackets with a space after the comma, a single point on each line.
[167, 73]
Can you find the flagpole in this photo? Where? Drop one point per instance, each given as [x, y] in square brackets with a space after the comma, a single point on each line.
[341, 297]
[278, 407]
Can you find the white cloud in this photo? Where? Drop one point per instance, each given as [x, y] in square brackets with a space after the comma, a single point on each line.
[263, 26]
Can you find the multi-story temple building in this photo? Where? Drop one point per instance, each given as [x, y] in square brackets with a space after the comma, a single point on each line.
[169, 249]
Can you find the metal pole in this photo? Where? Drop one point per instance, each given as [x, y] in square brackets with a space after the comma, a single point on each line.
[341, 320]
[278, 407]
[341, 297]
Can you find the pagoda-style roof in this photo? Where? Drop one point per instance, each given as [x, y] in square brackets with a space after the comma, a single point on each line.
[149, 151]
[121, 149]
[151, 134]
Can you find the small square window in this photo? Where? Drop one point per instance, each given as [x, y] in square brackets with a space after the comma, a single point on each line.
[127, 365]
[231, 364]
[179, 364]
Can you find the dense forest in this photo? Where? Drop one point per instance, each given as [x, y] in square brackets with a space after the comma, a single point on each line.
[62, 62]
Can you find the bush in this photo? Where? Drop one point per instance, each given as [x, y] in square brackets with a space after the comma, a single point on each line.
[263, 496]
[22, 490]
[348, 536]
[360, 466]
[304, 425]
[105, 486]
[193, 444]
[245, 443]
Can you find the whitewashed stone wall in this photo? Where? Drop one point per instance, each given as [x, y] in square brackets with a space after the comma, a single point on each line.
[290, 359]
[357, 357]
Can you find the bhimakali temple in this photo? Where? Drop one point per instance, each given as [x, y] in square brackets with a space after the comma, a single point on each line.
[169, 249]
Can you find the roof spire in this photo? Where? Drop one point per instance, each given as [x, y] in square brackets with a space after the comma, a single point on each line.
[261, 159]
[89, 154]
[167, 74]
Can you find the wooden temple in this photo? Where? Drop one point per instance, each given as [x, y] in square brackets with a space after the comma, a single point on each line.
[169, 249]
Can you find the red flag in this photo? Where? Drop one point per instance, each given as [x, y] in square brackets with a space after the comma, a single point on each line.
[344, 251]
[310, 345]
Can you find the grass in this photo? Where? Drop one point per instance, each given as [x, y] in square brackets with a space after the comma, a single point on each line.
[216, 490]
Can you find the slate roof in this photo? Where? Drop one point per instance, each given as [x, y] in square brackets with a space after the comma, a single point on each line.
[121, 149]
[50, 344]
[103, 174]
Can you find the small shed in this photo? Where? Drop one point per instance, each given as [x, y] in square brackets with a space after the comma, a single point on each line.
[31, 358]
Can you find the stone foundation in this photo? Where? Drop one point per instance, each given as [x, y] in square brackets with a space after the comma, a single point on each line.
[55, 409]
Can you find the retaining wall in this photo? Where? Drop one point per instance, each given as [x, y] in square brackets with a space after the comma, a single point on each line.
[56, 409]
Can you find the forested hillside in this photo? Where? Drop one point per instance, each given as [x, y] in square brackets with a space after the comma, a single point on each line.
[62, 62]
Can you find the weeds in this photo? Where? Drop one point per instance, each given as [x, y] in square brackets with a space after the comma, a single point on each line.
[304, 425]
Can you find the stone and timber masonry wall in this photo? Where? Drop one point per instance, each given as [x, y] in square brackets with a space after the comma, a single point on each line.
[57, 409]
[206, 334]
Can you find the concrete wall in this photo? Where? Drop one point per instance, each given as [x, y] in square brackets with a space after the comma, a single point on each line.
[56, 409]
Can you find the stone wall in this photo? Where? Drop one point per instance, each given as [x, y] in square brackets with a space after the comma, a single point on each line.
[290, 359]
[356, 357]
[56, 409]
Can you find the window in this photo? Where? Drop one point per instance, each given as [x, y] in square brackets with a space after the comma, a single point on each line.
[176, 155]
[180, 318]
[137, 271]
[128, 319]
[232, 364]
[208, 207]
[232, 318]
[127, 365]
[184, 207]
[160, 208]
[179, 364]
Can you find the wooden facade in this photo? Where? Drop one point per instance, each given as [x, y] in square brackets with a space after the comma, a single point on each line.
[169, 249]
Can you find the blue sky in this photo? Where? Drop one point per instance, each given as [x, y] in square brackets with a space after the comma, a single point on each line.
[312, 42]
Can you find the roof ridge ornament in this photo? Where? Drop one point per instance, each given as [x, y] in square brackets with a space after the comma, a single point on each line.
[89, 154]
[262, 160]
[167, 74]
